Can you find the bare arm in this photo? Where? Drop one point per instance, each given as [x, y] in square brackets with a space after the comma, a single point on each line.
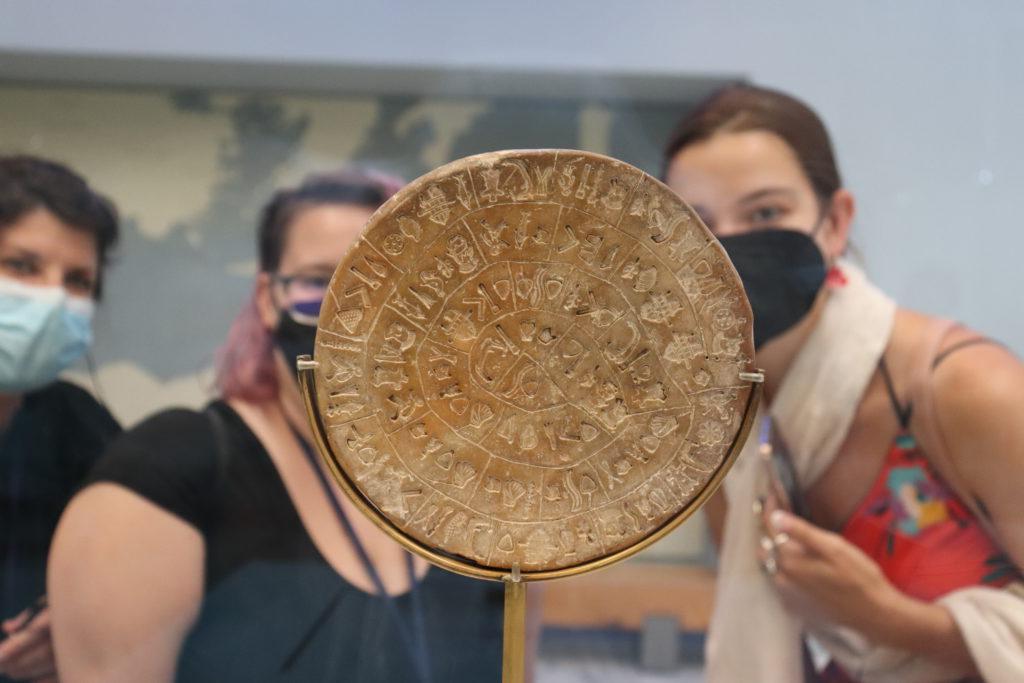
[979, 394]
[125, 581]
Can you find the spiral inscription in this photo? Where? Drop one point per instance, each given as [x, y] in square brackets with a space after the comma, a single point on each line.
[533, 357]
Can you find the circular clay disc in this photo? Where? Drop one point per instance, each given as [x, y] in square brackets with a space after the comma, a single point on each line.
[533, 358]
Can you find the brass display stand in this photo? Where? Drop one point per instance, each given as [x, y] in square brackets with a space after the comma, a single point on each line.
[532, 364]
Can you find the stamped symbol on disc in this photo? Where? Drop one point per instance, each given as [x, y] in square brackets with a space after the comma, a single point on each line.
[533, 358]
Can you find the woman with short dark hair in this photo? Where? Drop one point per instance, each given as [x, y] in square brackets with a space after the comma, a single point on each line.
[56, 234]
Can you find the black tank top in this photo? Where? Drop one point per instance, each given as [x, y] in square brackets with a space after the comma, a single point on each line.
[274, 609]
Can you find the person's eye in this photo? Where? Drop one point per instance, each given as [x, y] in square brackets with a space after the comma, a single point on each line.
[764, 215]
[79, 283]
[19, 266]
[318, 282]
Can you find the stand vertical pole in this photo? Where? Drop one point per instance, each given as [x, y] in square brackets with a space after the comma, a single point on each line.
[514, 636]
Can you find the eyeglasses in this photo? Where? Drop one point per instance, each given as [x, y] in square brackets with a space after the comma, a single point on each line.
[303, 295]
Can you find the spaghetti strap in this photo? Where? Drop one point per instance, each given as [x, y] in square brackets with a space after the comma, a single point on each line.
[903, 411]
[960, 345]
[927, 428]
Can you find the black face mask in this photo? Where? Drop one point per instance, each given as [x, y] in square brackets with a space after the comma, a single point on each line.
[294, 339]
[782, 271]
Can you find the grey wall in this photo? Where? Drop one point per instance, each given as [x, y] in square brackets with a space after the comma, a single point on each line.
[923, 97]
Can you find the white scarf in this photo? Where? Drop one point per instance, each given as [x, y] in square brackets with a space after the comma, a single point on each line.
[752, 637]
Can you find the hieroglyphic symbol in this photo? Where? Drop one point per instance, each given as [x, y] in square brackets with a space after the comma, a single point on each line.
[397, 340]
[576, 431]
[343, 369]
[524, 385]
[463, 473]
[688, 243]
[660, 307]
[510, 432]
[438, 353]
[581, 493]
[462, 192]
[459, 325]
[435, 205]
[621, 356]
[462, 253]
[482, 302]
[359, 443]
[648, 206]
[511, 492]
[404, 496]
[535, 186]
[413, 303]
[370, 270]
[410, 228]
[643, 277]
[350, 318]
[683, 348]
[567, 178]
[727, 340]
[394, 244]
[499, 344]
[480, 414]
[615, 472]
[717, 402]
[491, 236]
[710, 433]
[520, 237]
[700, 280]
[589, 192]
[616, 196]
[492, 181]
[404, 406]
[392, 378]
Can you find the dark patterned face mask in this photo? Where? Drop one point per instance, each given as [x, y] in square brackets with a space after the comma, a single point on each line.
[782, 271]
[295, 338]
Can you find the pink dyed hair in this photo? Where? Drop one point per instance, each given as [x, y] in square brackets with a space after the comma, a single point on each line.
[245, 364]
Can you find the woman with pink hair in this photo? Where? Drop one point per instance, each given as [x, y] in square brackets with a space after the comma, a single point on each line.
[227, 553]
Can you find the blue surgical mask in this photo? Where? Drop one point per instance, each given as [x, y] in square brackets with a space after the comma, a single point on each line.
[42, 332]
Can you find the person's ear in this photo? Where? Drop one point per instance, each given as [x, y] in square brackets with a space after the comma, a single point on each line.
[268, 312]
[836, 233]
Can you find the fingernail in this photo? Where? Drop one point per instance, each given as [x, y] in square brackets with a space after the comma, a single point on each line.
[778, 520]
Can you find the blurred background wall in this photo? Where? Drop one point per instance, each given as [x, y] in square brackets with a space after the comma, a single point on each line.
[189, 113]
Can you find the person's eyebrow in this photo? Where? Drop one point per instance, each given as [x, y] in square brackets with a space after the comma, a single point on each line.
[323, 268]
[766, 192]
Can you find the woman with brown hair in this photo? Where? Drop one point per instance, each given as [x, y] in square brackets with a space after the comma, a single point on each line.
[227, 553]
[905, 434]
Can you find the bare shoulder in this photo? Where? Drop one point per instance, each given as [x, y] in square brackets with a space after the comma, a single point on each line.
[977, 385]
[108, 622]
[135, 516]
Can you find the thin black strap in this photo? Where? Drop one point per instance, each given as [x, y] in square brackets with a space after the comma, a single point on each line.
[903, 411]
[415, 642]
[314, 628]
[960, 345]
